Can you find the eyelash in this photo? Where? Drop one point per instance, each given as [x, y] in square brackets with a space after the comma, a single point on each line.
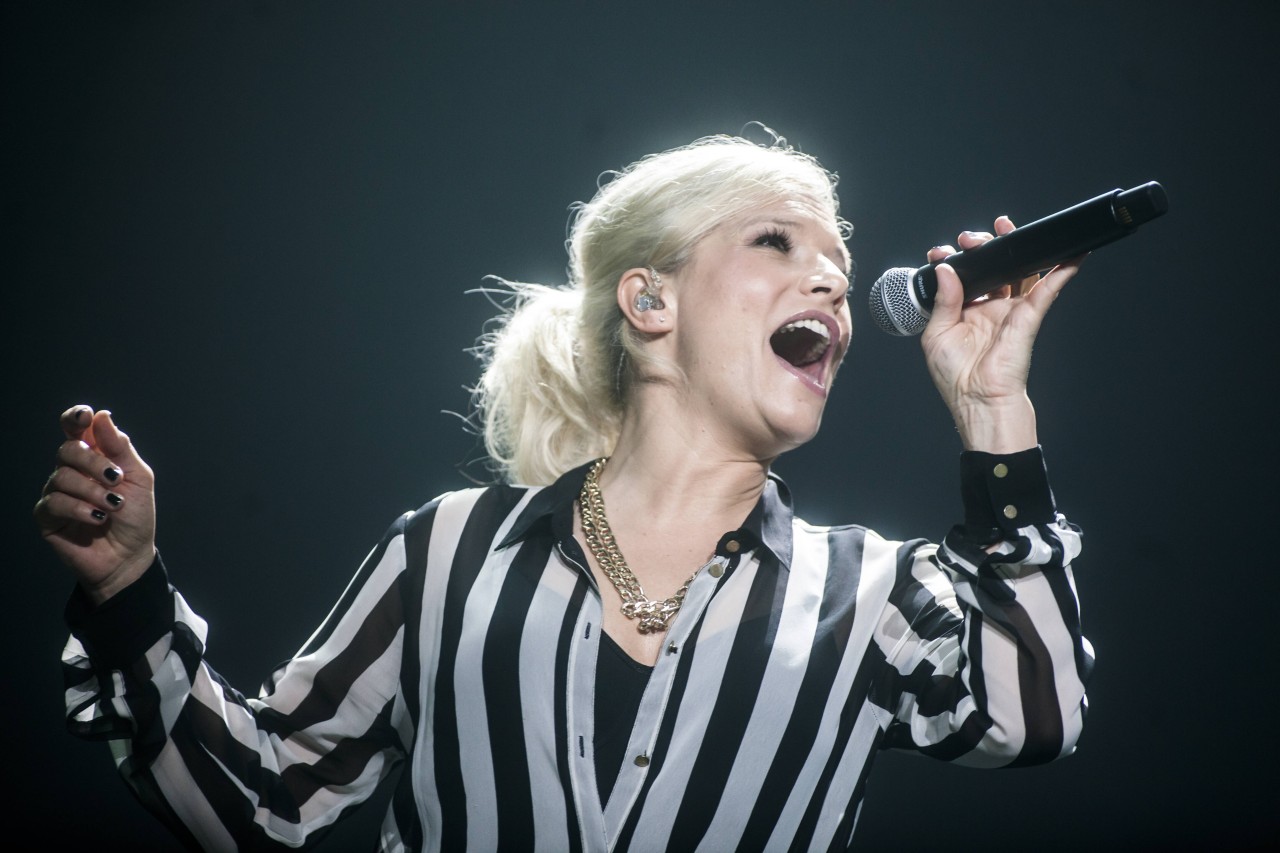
[781, 240]
[775, 237]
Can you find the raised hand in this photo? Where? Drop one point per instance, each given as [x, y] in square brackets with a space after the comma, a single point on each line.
[979, 353]
[97, 510]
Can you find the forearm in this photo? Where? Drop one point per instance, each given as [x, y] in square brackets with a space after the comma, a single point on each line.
[209, 761]
[1025, 660]
[994, 668]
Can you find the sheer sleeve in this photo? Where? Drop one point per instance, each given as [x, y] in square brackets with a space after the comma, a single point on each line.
[224, 771]
[986, 663]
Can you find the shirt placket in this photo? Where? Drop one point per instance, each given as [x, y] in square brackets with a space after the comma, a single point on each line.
[641, 755]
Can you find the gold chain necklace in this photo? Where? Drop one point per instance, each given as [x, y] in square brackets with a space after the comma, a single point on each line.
[653, 615]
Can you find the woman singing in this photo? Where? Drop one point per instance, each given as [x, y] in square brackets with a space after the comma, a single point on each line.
[633, 644]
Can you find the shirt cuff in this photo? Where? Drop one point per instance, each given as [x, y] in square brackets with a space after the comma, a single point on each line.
[122, 628]
[1004, 491]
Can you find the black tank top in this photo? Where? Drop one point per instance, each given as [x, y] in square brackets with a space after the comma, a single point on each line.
[620, 683]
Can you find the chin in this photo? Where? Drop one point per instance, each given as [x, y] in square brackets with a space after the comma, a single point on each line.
[794, 430]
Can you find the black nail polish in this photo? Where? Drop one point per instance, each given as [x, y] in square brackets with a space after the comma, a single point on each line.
[99, 514]
[114, 499]
[112, 474]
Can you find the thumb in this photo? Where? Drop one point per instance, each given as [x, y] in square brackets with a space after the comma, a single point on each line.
[948, 302]
[114, 444]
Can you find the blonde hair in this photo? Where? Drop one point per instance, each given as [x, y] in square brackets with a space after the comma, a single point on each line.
[559, 363]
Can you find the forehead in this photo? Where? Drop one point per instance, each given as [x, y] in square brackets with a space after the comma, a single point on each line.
[798, 209]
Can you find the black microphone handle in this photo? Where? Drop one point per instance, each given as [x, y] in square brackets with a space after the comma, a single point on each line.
[1046, 242]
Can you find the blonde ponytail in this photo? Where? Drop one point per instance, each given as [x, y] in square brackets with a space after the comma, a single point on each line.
[541, 416]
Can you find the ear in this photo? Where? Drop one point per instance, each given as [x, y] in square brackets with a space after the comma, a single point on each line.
[653, 321]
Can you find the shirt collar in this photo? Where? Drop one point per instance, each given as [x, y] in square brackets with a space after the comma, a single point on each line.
[550, 513]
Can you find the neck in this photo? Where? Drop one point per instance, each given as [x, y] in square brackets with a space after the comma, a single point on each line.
[678, 473]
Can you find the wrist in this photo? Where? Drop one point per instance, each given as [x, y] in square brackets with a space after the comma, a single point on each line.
[128, 572]
[119, 631]
[997, 426]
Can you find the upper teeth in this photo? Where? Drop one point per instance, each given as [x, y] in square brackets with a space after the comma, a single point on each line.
[814, 326]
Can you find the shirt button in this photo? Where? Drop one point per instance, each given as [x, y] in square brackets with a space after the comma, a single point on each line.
[732, 546]
[673, 649]
[716, 570]
[642, 760]
[1010, 511]
[1001, 470]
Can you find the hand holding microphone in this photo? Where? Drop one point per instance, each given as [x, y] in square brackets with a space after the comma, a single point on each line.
[902, 298]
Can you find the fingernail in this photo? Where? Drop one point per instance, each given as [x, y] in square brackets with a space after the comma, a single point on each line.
[114, 499]
[112, 474]
[99, 514]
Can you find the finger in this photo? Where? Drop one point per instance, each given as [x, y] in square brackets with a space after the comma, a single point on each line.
[76, 420]
[55, 511]
[82, 488]
[117, 447]
[971, 239]
[1036, 304]
[1051, 284]
[1003, 225]
[937, 253]
[88, 462]
[1022, 288]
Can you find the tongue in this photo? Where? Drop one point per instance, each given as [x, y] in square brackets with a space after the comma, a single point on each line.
[798, 347]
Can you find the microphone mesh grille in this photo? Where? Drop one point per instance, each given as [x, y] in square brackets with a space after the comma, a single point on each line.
[892, 307]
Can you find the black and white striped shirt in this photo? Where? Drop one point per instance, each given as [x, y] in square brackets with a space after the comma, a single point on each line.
[466, 646]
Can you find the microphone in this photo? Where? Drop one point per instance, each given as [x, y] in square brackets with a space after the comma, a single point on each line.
[902, 298]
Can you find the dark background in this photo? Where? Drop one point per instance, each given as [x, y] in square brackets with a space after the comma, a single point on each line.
[249, 229]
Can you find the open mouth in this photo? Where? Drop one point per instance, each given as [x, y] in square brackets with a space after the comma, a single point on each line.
[803, 344]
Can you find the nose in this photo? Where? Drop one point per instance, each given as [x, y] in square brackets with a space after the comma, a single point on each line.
[827, 277]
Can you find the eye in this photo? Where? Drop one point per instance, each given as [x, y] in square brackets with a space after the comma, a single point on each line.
[774, 238]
